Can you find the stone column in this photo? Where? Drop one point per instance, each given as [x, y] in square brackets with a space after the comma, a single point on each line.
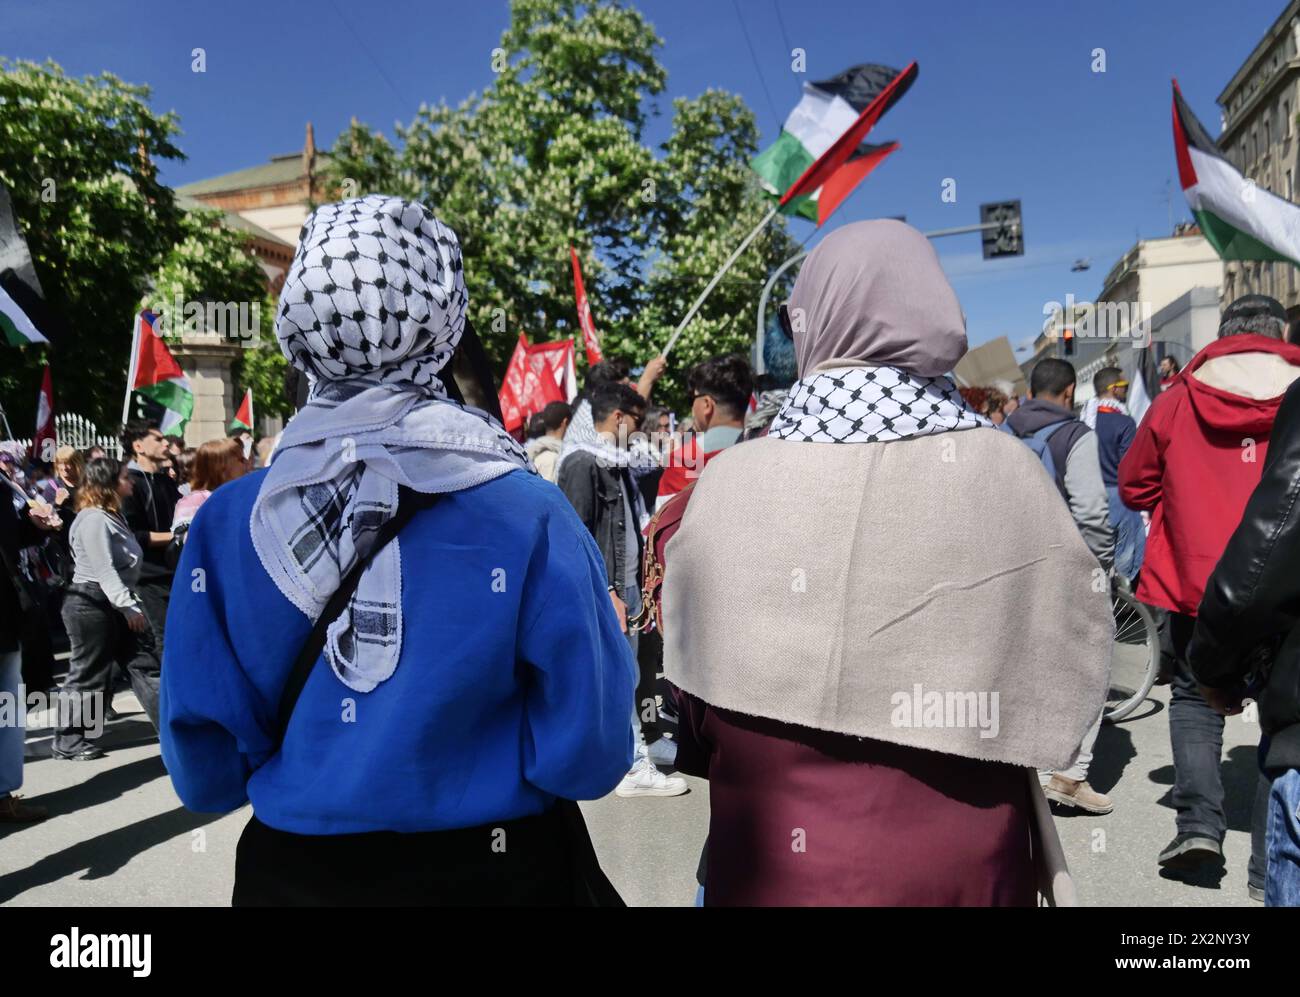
[206, 359]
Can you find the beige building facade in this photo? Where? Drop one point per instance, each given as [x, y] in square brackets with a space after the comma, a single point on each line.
[1142, 284]
[1261, 138]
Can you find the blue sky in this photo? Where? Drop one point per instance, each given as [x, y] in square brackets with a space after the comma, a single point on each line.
[1006, 102]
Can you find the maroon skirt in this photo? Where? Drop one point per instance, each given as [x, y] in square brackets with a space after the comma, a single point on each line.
[806, 817]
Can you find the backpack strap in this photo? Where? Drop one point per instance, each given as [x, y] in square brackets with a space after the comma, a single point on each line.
[409, 502]
[1045, 433]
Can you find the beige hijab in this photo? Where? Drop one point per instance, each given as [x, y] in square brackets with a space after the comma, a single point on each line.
[873, 292]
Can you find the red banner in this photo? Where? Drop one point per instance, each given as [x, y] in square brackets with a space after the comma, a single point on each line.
[588, 327]
[529, 384]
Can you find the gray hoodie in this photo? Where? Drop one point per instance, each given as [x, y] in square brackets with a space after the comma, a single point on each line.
[1078, 475]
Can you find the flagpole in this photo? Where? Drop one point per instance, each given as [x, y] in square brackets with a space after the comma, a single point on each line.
[130, 368]
[718, 276]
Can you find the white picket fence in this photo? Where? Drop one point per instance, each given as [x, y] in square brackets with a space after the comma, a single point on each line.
[77, 431]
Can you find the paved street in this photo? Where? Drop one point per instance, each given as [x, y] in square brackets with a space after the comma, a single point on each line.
[118, 835]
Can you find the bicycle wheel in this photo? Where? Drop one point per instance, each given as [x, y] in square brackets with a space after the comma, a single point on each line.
[1135, 656]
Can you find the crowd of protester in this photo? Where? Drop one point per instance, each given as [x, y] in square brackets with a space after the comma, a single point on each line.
[783, 638]
[89, 545]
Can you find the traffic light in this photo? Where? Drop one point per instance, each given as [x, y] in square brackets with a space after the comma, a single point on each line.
[1067, 342]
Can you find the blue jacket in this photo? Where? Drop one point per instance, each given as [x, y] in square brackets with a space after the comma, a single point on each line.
[501, 702]
[1115, 432]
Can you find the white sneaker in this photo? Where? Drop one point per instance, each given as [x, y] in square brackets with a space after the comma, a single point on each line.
[643, 779]
[663, 752]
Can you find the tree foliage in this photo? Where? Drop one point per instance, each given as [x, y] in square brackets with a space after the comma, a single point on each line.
[552, 154]
[78, 159]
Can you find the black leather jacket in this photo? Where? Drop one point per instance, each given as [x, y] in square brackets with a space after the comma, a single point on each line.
[1246, 626]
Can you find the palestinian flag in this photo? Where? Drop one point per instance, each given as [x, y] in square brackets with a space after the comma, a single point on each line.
[1240, 220]
[15, 327]
[244, 417]
[157, 377]
[24, 317]
[825, 130]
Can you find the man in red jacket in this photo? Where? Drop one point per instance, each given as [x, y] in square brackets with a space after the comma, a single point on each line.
[1193, 464]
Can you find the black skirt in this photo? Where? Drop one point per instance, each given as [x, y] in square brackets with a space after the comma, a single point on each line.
[541, 861]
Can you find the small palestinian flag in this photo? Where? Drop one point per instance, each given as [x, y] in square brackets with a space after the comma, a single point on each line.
[841, 108]
[157, 376]
[244, 417]
[1240, 220]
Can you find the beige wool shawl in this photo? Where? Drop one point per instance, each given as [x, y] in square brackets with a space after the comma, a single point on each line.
[932, 592]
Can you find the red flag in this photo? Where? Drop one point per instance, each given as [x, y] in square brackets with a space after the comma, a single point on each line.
[528, 385]
[44, 443]
[589, 339]
[846, 145]
[555, 359]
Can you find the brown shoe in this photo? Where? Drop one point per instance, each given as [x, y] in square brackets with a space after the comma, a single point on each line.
[1077, 793]
[13, 811]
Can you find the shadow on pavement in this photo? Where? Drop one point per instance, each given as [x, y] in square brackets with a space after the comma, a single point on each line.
[99, 787]
[103, 854]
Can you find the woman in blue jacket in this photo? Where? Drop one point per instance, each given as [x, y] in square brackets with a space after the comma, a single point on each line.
[476, 676]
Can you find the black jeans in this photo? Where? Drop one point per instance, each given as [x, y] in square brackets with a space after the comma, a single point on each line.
[154, 595]
[1196, 734]
[99, 637]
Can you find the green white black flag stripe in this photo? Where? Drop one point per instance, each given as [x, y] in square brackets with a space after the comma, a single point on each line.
[826, 110]
[15, 327]
[1239, 219]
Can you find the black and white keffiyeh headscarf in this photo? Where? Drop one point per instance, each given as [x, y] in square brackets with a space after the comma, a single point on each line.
[871, 405]
[372, 309]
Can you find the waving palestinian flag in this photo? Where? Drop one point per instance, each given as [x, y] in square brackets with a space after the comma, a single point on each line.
[24, 317]
[1240, 220]
[158, 379]
[820, 157]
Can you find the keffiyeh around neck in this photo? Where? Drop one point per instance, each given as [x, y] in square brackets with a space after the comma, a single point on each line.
[871, 405]
[372, 309]
[582, 435]
[1091, 407]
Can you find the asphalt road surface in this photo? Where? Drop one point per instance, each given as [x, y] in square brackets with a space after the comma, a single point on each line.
[118, 835]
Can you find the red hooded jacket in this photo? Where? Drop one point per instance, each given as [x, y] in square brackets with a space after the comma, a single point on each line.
[1196, 458]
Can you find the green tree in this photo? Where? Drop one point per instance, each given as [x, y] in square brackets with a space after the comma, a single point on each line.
[78, 159]
[550, 155]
